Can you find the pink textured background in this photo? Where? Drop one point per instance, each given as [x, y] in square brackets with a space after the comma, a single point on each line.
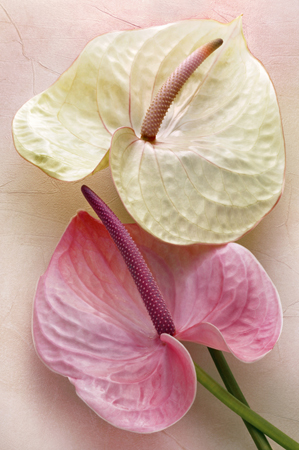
[39, 410]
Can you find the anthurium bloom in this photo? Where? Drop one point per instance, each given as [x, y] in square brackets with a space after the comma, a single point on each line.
[216, 164]
[91, 324]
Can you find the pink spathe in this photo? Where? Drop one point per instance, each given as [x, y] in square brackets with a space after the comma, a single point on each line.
[91, 325]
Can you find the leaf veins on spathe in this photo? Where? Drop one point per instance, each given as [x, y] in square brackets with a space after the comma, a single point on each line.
[91, 322]
[216, 166]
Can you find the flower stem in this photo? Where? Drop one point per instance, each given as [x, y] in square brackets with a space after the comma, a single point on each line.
[244, 411]
[232, 386]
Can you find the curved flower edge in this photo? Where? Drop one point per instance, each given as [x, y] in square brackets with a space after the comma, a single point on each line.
[217, 166]
[173, 411]
[171, 225]
[91, 326]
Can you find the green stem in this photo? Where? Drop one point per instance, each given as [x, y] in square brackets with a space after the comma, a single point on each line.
[232, 386]
[243, 411]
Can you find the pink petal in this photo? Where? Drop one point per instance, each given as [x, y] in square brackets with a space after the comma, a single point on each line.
[218, 296]
[90, 325]
[144, 395]
[242, 306]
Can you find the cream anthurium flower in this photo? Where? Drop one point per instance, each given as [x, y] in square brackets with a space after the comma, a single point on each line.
[214, 168]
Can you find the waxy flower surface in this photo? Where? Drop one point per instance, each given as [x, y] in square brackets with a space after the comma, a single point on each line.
[91, 325]
[216, 165]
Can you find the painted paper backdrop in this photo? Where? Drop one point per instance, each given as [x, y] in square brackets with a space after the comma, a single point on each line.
[39, 410]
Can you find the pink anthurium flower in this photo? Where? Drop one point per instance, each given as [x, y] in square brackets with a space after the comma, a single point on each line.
[118, 341]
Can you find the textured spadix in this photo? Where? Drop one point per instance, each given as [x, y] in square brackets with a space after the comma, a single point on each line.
[170, 89]
[217, 164]
[90, 323]
[145, 282]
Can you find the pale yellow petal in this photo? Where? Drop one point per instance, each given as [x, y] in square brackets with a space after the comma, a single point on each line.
[60, 130]
[217, 165]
